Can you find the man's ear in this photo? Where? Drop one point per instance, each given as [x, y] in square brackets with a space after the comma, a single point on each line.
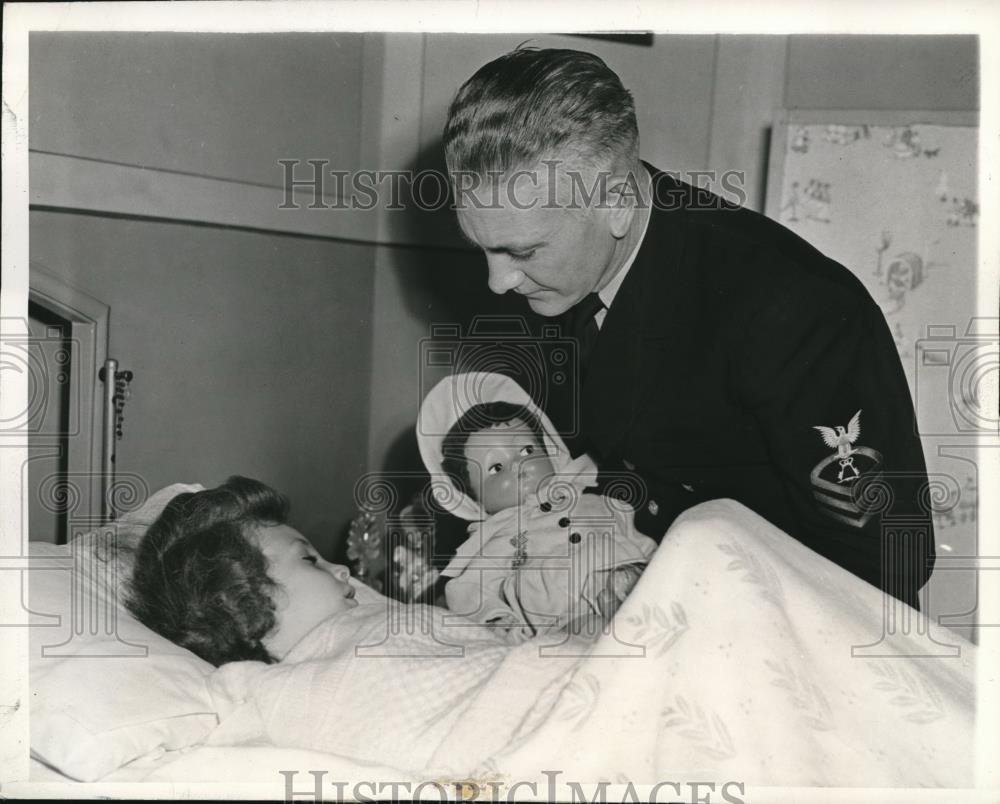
[623, 199]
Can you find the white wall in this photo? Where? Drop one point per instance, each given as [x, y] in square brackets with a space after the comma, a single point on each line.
[251, 350]
[220, 105]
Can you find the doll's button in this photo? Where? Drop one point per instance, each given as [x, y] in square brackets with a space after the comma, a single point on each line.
[653, 507]
[574, 538]
[564, 522]
[546, 507]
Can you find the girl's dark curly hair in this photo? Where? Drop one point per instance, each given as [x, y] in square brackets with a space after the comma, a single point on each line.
[201, 581]
[476, 419]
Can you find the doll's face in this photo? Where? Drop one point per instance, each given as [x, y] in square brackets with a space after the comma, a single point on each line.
[507, 463]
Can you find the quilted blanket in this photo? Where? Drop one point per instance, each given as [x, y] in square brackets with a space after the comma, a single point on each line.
[740, 654]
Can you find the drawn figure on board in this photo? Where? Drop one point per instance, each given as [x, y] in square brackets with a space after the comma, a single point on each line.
[817, 203]
[941, 191]
[800, 140]
[968, 212]
[904, 142]
[845, 135]
[952, 217]
[944, 516]
[884, 242]
[943, 520]
[790, 209]
[967, 502]
[905, 273]
[903, 343]
[951, 514]
[962, 212]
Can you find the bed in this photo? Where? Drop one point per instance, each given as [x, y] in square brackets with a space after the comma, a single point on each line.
[740, 655]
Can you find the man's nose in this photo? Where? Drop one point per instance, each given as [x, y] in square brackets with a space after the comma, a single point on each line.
[503, 275]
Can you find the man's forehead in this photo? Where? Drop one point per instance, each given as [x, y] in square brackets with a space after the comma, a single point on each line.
[529, 198]
[506, 228]
[518, 185]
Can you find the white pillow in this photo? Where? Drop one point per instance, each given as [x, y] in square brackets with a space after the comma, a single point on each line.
[104, 688]
[113, 548]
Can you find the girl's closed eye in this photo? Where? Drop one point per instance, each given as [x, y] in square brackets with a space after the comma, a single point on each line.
[311, 559]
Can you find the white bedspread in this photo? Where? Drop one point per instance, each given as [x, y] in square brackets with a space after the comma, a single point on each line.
[732, 659]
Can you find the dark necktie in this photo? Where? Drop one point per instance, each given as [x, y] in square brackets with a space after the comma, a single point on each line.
[585, 328]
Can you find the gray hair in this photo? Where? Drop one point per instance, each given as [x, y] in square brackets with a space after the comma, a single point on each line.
[530, 104]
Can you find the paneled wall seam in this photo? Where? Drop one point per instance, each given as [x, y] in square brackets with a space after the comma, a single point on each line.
[711, 106]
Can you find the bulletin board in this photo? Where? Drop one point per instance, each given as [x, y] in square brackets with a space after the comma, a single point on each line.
[893, 197]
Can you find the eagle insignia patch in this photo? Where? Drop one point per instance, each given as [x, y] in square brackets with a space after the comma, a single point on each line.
[840, 439]
[834, 478]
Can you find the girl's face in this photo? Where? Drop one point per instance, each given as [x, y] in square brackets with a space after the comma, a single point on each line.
[310, 588]
[506, 464]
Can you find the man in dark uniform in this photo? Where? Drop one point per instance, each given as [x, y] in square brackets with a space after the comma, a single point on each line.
[723, 356]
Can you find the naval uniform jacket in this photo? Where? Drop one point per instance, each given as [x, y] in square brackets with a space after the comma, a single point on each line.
[730, 341]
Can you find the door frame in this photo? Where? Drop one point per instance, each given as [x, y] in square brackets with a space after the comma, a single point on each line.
[88, 319]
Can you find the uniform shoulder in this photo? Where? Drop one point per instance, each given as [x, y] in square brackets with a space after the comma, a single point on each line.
[746, 256]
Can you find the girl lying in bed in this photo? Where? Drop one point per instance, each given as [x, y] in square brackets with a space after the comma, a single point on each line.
[221, 574]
